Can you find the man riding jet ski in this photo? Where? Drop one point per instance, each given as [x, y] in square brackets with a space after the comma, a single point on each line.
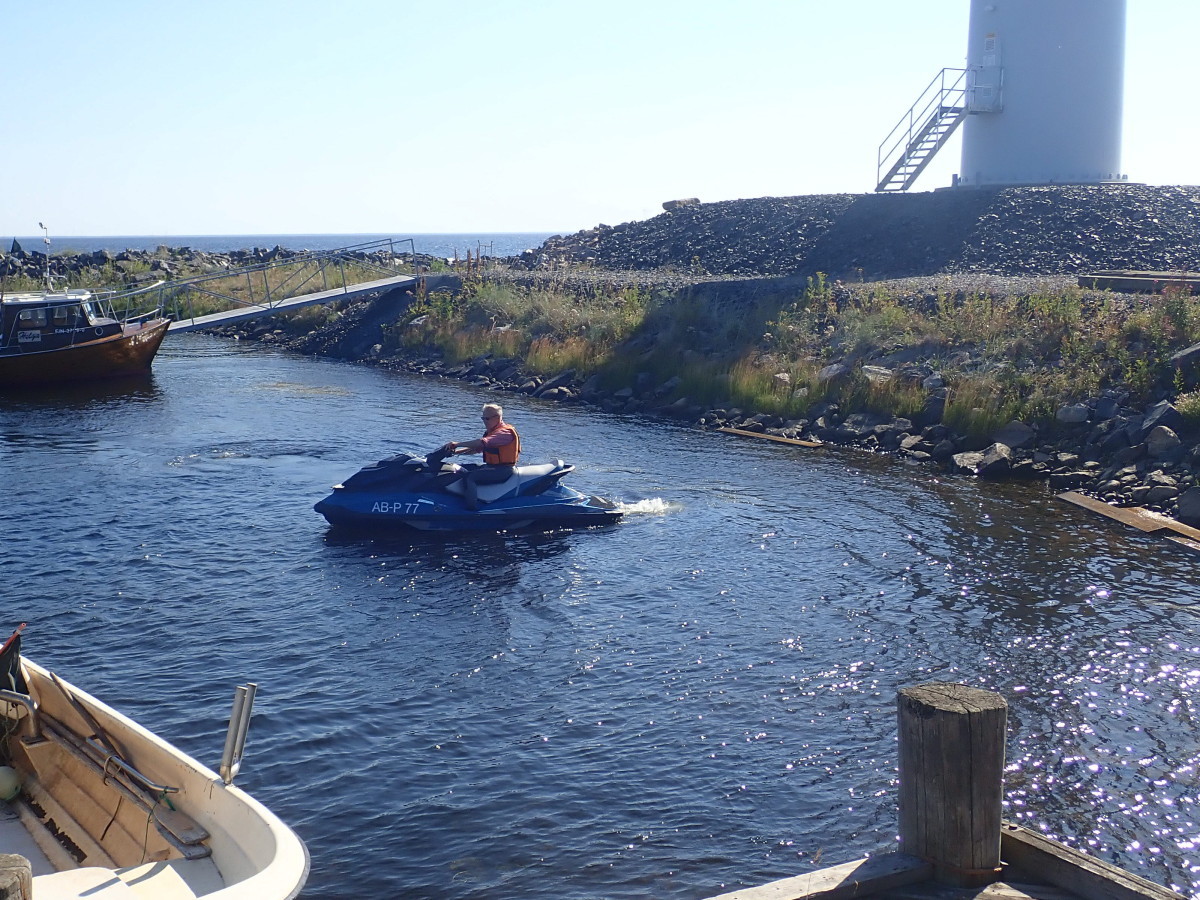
[500, 446]
[431, 494]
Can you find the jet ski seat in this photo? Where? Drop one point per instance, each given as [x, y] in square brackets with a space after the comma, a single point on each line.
[488, 493]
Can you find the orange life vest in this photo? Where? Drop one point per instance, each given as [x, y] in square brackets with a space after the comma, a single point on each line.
[507, 454]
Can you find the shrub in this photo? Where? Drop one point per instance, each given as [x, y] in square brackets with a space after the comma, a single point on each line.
[1188, 406]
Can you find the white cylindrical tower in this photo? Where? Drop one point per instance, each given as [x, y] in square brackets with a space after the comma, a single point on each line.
[1045, 107]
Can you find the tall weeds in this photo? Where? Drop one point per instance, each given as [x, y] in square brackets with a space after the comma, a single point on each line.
[1005, 355]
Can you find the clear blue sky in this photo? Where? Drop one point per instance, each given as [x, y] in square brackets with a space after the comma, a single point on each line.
[403, 116]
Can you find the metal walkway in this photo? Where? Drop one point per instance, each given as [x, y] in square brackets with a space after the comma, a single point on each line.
[281, 282]
[241, 314]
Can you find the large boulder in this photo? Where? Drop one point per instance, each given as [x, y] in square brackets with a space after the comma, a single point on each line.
[966, 463]
[562, 379]
[994, 462]
[1162, 413]
[1015, 435]
[1188, 509]
[858, 425]
[1163, 443]
[1073, 414]
[833, 371]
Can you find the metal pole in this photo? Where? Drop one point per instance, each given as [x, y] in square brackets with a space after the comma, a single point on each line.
[239, 727]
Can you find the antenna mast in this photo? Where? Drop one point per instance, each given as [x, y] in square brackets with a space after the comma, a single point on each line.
[46, 241]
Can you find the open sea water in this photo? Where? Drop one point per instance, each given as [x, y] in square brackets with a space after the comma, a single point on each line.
[697, 698]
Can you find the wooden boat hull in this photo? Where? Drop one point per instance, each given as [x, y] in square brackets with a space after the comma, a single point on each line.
[97, 827]
[130, 352]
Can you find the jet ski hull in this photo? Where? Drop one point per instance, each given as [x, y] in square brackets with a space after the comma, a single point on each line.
[408, 492]
[440, 513]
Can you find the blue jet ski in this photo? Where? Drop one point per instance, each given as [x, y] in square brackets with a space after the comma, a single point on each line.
[428, 493]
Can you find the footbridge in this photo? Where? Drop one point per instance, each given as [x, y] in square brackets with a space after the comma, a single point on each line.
[282, 281]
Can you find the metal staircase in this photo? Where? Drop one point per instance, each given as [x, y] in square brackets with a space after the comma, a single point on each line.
[922, 131]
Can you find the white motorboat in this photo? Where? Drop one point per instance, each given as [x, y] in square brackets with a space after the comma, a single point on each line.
[103, 809]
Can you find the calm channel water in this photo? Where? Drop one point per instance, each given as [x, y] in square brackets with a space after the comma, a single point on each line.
[697, 698]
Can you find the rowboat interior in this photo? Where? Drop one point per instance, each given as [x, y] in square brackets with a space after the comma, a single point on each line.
[104, 809]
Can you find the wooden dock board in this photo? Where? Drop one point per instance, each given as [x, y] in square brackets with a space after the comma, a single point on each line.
[242, 313]
[1137, 517]
[1071, 870]
[795, 442]
[855, 879]
[1035, 868]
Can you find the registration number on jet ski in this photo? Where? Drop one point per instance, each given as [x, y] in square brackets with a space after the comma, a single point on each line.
[406, 509]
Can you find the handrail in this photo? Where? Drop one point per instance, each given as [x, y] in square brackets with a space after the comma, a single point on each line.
[113, 759]
[931, 102]
[30, 704]
[172, 294]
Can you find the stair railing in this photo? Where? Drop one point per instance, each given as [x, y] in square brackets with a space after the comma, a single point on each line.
[947, 89]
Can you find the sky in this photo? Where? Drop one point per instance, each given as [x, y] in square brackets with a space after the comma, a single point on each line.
[148, 117]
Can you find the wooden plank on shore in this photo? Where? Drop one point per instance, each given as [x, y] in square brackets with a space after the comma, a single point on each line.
[1186, 543]
[1129, 281]
[855, 879]
[1135, 516]
[1085, 876]
[771, 437]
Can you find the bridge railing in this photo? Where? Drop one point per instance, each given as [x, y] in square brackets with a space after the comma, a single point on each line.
[273, 279]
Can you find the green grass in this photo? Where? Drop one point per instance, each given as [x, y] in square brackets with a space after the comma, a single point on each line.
[1003, 354]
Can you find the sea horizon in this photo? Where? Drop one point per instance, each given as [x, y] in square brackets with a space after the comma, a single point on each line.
[447, 244]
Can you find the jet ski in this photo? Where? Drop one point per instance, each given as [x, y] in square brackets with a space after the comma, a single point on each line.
[428, 493]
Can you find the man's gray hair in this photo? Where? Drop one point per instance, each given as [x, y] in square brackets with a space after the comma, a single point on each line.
[494, 407]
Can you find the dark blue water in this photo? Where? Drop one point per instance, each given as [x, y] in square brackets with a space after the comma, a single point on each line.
[699, 697]
[447, 245]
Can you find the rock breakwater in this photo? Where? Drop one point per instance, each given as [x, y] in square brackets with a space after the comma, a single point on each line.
[104, 268]
[1044, 230]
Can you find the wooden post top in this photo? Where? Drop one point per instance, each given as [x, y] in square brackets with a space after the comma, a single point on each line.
[947, 696]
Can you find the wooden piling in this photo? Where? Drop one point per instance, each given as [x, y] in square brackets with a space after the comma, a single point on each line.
[951, 765]
[16, 877]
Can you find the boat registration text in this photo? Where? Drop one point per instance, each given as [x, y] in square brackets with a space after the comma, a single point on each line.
[382, 506]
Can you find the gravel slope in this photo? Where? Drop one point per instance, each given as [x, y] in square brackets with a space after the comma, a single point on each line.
[1045, 230]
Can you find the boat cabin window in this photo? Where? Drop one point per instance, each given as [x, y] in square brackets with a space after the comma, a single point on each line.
[32, 318]
[68, 316]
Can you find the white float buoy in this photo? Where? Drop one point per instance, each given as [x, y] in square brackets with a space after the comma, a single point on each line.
[10, 783]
